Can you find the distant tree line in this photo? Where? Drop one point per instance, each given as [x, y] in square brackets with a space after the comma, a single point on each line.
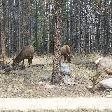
[86, 25]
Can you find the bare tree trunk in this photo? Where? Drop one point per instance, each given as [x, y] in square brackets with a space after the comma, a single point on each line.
[0, 39]
[4, 56]
[3, 35]
[56, 75]
[1, 17]
[47, 24]
[36, 39]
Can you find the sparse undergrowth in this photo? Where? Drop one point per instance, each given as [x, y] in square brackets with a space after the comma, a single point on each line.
[34, 80]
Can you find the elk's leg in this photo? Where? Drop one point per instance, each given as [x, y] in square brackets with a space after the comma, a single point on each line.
[30, 61]
[69, 58]
[65, 57]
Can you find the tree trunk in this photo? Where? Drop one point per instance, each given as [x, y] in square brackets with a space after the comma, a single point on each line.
[3, 34]
[0, 38]
[4, 56]
[56, 74]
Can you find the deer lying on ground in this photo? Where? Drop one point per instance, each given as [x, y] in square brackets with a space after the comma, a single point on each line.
[26, 53]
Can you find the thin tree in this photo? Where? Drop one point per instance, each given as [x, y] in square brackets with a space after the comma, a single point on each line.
[56, 74]
[3, 33]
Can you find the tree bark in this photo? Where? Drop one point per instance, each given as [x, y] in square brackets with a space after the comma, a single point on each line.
[4, 56]
[56, 74]
[3, 33]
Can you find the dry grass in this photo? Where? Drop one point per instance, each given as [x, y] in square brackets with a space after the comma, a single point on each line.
[33, 81]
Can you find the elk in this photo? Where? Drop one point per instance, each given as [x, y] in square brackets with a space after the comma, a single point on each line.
[66, 53]
[27, 52]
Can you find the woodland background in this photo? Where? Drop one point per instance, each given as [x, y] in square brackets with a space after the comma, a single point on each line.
[86, 25]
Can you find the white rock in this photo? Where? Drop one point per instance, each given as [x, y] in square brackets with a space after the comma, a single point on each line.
[68, 80]
[65, 68]
[106, 83]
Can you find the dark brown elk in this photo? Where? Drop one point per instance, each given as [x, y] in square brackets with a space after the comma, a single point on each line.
[26, 53]
[66, 53]
[104, 67]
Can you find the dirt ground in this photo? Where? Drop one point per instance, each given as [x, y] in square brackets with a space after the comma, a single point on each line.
[33, 81]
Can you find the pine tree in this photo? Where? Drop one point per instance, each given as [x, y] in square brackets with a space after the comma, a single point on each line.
[3, 33]
[56, 74]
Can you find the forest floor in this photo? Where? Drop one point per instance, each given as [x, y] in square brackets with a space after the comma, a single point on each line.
[33, 81]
